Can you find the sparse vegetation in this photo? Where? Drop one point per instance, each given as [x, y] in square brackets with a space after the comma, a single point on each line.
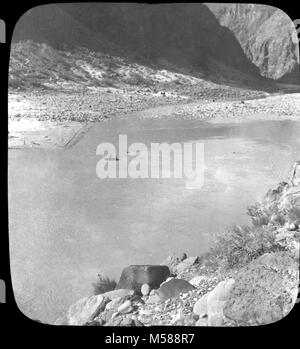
[239, 245]
[103, 284]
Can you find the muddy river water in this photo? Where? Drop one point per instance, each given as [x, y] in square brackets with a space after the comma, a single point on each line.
[66, 224]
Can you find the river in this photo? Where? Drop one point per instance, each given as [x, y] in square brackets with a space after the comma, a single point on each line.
[67, 225]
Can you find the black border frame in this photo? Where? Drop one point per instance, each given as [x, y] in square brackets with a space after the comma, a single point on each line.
[13, 319]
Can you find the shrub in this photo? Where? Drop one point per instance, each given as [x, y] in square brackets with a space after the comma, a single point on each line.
[239, 245]
[103, 284]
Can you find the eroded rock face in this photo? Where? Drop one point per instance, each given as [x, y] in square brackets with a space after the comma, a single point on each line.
[86, 309]
[296, 174]
[178, 33]
[134, 276]
[290, 204]
[264, 291]
[267, 36]
[284, 200]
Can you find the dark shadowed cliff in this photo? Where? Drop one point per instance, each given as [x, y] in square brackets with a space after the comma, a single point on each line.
[186, 35]
[267, 36]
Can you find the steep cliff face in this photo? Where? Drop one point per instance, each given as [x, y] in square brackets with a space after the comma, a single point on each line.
[266, 35]
[186, 35]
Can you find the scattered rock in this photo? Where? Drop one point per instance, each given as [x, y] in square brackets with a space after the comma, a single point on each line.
[196, 281]
[153, 299]
[127, 322]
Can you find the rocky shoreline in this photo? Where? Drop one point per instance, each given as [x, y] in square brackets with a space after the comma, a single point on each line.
[42, 124]
[260, 287]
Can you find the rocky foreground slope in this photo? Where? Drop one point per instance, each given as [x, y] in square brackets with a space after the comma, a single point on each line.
[258, 287]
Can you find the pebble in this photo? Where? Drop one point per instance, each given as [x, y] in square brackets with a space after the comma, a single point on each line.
[125, 308]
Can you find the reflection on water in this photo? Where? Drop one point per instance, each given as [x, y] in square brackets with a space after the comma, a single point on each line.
[67, 225]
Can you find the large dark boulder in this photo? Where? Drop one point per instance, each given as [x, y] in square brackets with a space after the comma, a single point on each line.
[173, 288]
[134, 276]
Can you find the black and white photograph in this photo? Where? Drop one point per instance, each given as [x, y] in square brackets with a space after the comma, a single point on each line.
[154, 164]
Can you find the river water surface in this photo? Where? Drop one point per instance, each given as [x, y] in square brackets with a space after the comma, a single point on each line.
[67, 225]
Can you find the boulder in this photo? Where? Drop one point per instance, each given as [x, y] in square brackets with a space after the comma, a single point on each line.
[264, 291]
[220, 292]
[200, 307]
[115, 303]
[145, 289]
[215, 313]
[173, 261]
[295, 180]
[134, 276]
[212, 303]
[168, 279]
[173, 288]
[187, 263]
[86, 309]
[125, 307]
